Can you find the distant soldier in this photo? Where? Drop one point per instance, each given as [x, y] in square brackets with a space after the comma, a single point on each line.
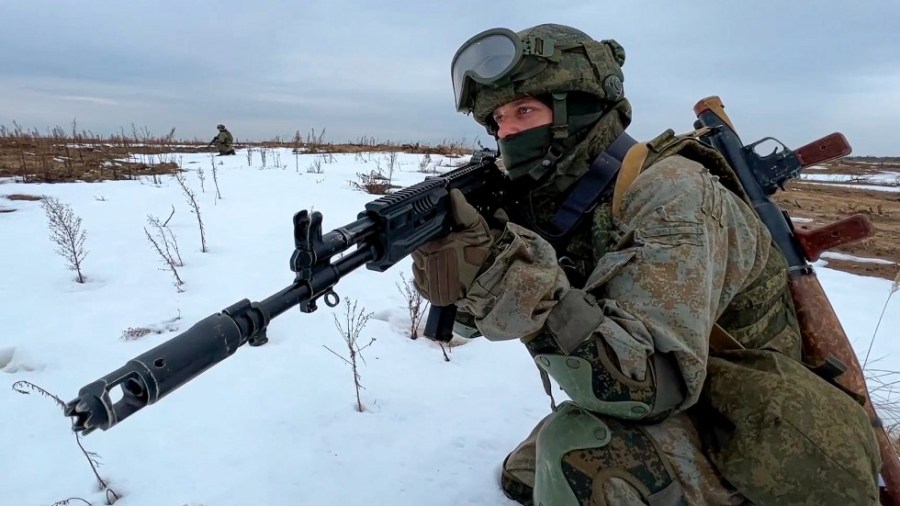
[223, 141]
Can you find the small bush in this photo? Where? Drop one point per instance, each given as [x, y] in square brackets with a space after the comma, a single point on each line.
[66, 232]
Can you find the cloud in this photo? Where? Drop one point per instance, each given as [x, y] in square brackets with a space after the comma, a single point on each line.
[793, 70]
[92, 100]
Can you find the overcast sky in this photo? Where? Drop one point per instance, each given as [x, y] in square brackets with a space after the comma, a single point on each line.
[794, 70]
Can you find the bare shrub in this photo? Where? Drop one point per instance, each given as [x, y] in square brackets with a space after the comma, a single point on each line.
[66, 232]
[277, 160]
[135, 333]
[93, 459]
[373, 182]
[452, 148]
[249, 157]
[68, 502]
[315, 167]
[416, 305]
[425, 163]
[350, 327]
[166, 244]
[215, 175]
[195, 208]
[392, 165]
[263, 154]
[313, 142]
[882, 382]
[202, 177]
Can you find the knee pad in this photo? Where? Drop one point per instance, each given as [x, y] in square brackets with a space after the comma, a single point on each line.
[591, 376]
[578, 452]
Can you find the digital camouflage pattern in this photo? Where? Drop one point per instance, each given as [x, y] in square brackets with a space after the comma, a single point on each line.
[582, 447]
[620, 314]
[674, 445]
[686, 253]
[579, 64]
[789, 418]
[578, 77]
[224, 142]
[654, 291]
[687, 248]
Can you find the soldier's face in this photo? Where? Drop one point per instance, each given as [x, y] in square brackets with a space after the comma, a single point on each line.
[521, 114]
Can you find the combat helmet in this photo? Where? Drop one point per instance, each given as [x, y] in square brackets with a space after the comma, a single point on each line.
[580, 78]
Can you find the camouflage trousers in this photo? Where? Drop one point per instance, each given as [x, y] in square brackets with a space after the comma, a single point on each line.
[620, 473]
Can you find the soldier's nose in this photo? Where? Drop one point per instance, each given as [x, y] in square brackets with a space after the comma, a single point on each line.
[508, 128]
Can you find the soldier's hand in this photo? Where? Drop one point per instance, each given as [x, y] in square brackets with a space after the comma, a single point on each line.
[444, 269]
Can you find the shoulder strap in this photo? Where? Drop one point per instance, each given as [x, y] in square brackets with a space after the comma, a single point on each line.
[689, 145]
[588, 189]
[631, 167]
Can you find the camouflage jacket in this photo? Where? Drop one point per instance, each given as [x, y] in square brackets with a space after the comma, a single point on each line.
[224, 139]
[657, 279]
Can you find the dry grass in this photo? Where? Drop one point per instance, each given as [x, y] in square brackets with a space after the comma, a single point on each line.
[70, 155]
[883, 382]
[22, 196]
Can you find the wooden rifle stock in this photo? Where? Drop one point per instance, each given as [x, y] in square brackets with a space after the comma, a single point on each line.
[819, 240]
[827, 148]
[822, 333]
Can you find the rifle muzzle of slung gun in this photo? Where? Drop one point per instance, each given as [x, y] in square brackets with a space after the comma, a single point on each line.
[152, 375]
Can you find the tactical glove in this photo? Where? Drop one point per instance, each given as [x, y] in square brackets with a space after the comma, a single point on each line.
[444, 269]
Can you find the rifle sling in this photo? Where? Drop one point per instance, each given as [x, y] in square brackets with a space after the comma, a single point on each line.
[587, 191]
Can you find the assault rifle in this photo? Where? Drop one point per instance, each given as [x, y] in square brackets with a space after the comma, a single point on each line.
[825, 344]
[388, 230]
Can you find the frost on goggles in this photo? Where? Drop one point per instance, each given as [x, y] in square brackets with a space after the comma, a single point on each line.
[485, 58]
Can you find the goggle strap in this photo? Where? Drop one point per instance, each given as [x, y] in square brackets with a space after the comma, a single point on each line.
[538, 46]
[560, 127]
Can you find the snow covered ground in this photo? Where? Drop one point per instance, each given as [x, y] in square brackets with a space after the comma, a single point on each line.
[273, 425]
[887, 178]
[885, 181]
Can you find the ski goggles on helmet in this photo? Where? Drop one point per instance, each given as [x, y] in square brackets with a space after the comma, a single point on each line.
[485, 58]
[488, 58]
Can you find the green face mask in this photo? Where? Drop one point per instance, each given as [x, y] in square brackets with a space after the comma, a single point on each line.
[523, 153]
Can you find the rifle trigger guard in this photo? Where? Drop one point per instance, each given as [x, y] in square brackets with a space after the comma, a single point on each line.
[752, 146]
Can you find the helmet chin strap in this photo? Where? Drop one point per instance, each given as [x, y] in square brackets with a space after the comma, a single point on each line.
[560, 127]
